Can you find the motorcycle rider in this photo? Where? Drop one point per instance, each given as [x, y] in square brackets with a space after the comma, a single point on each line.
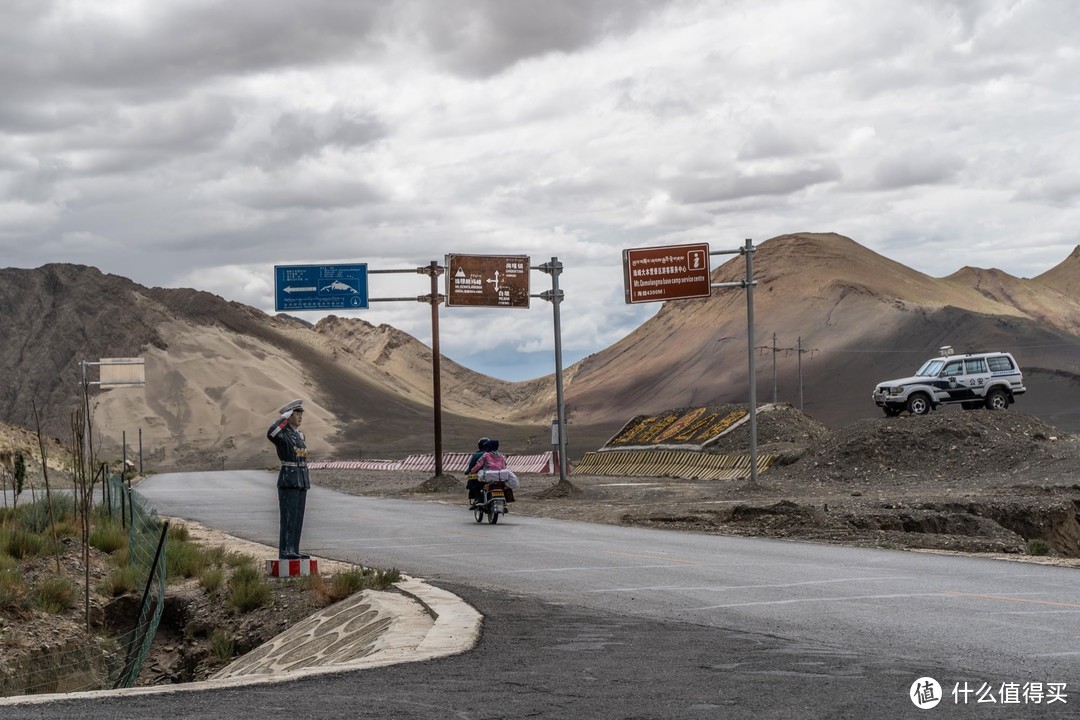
[472, 484]
[490, 459]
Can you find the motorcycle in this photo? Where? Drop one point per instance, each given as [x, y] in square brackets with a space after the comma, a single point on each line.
[492, 502]
[497, 490]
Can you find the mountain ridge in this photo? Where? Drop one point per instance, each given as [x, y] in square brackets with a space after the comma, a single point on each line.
[218, 369]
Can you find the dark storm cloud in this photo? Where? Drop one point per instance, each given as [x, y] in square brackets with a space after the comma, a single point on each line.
[486, 37]
[297, 135]
[170, 44]
[309, 194]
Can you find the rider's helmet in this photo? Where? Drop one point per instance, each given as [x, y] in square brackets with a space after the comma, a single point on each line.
[492, 445]
[482, 444]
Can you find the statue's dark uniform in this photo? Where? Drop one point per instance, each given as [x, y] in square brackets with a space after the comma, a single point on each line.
[292, 481]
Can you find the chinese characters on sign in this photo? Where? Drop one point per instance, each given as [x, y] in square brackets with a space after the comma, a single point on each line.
[487, 281]
[675, 272]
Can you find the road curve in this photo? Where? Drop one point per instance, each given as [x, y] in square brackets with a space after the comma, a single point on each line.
[783, 629]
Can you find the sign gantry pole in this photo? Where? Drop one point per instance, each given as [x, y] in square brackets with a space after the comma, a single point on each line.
[749, 283]
[555, 297]
[681, 272]
[433, 270]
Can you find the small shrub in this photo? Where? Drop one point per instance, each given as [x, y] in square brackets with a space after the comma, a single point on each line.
[34, 516]
[345, 584]
[108, 537]
[121, 558]
[66, 528]
[214, 555]
[179, 533]
[385, 579]
[184, 560]
[236, 559]
[1038, 547]
[23, 544]
[245, 574]
[119, 581]
[222, 645]
[14, 595]
[55, 594]
[211, 579]
[248, 595]
[7, 563]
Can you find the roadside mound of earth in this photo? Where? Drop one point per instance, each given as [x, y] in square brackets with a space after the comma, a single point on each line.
[974, 443]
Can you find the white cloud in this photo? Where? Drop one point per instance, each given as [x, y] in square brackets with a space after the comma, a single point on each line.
[201, 143]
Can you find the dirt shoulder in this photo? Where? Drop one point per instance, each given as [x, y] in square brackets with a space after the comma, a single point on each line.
[995, 483]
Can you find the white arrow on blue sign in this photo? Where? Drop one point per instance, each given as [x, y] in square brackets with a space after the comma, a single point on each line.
[320, 287]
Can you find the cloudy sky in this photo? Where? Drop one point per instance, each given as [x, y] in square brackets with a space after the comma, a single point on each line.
[198, 143]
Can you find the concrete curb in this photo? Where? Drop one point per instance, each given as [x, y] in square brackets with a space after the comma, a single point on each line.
[371, 629]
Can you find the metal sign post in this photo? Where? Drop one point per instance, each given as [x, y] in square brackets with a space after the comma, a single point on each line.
[433, 270]
[555, 297]
[679, 272]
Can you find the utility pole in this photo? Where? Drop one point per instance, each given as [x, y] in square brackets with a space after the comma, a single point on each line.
[799, 345]
[786, 350]
[774, 368]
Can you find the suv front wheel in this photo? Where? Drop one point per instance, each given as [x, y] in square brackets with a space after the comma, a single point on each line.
[997, 400]
[919, 404]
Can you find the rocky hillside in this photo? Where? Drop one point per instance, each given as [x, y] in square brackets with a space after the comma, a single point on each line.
[861, 318]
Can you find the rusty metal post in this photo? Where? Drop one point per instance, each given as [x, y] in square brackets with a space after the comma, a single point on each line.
[434, 270]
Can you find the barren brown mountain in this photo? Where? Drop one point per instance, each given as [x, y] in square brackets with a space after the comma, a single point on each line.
[217, 370]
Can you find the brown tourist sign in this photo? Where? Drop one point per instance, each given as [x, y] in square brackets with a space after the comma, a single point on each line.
[673, 272]
[487, 281]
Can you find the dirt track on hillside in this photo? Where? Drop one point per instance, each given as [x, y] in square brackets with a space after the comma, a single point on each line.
[973, 482]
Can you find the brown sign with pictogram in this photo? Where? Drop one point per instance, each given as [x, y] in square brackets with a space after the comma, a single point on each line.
[673, 272]
[487, 281]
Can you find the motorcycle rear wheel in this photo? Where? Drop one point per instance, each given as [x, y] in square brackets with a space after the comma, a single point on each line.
[493, 517]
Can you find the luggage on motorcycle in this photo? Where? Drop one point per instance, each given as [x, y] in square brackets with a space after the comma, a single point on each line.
[504, 476]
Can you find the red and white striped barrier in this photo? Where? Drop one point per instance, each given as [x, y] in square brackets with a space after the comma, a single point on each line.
[540, 463]
[355, 464]
[452, 462]
[283, 567]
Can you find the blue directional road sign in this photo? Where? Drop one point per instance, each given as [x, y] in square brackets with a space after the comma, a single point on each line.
[320, 287]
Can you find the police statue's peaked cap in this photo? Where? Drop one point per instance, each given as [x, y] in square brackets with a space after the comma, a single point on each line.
[294, 406]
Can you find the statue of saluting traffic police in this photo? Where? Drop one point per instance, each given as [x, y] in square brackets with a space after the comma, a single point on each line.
[292, 481]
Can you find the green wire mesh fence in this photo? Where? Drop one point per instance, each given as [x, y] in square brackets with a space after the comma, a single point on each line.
[147, 539]
[75, 661]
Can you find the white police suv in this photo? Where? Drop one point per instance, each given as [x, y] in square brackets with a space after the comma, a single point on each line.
[975, 380]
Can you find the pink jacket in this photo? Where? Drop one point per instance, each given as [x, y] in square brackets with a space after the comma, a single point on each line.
[489, 461]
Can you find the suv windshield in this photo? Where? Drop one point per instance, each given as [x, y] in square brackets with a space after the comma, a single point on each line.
[930, 368]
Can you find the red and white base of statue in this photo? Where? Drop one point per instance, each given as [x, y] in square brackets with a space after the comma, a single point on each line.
[292, 568]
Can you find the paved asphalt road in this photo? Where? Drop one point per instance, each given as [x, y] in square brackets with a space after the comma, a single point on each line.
[594, 621]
